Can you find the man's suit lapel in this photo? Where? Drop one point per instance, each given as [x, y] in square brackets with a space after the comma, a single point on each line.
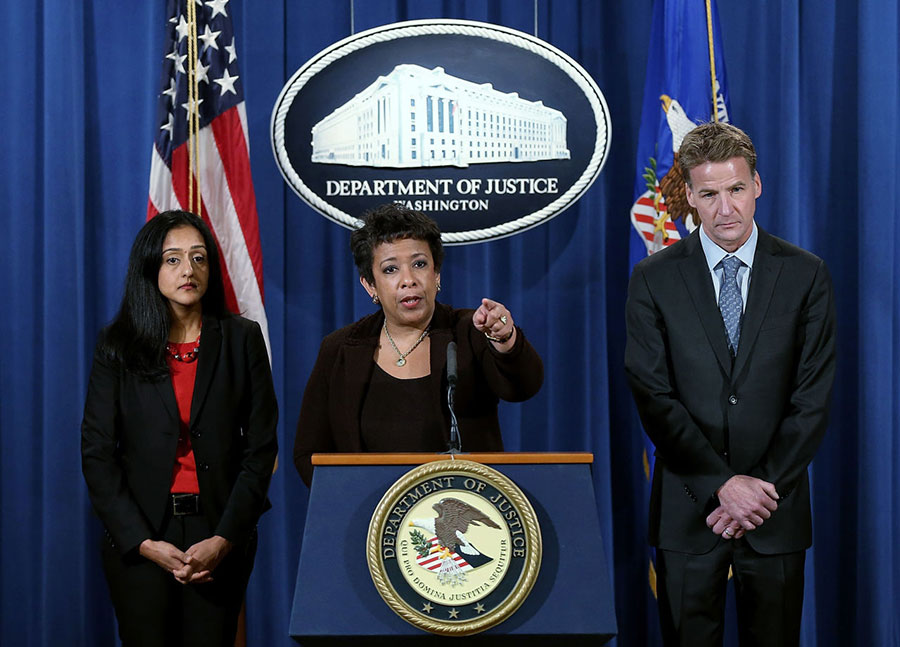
[766, 268]
[695, 273]
[210, 349]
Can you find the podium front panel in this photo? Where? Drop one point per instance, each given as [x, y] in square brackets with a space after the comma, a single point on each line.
[334, 595]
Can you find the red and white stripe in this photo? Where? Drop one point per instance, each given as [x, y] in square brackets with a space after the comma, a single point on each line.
[643, 218]
[432, 561]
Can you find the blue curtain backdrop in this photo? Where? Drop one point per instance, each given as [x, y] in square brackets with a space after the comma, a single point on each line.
[815, 85]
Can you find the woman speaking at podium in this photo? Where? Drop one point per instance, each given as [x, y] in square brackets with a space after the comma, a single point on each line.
[380, 384]
[178, 442]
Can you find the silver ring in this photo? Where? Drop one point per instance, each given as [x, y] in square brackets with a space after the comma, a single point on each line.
[503, 319]
[729, 532]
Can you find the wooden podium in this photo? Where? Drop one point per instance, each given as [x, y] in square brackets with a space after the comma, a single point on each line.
[336, 602]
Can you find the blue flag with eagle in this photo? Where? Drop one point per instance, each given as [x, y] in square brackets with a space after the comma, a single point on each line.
[685, 86]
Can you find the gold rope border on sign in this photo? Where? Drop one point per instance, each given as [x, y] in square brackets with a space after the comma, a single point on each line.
[529, 571]
[712, 60]
[193, 120]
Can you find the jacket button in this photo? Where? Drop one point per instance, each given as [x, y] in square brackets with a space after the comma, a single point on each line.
[732, 399]
[195, 434]
[203, 467]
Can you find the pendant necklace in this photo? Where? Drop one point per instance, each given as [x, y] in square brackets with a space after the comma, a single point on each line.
[402, 356]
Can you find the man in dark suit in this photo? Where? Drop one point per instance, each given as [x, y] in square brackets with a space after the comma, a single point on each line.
[730, 358]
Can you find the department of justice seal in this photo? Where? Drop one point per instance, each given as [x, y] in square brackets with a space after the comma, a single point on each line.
[454, 547]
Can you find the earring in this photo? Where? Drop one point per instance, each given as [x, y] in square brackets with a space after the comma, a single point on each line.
[375, 299]
[438, 286]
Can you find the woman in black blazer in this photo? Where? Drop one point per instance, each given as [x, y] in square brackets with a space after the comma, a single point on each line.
[178, 442]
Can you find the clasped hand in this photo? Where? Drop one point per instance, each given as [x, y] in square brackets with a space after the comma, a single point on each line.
[193, 566]
[745, 502]
[495, 320]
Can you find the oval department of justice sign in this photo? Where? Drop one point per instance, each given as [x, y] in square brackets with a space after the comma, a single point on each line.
[488, 130]
[454, 547]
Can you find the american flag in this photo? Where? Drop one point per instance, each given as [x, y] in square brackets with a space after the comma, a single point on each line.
[221, 176]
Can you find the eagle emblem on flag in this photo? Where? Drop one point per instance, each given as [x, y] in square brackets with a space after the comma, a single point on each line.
[656, 211]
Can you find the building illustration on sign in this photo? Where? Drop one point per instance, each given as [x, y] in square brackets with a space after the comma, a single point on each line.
[416, 117]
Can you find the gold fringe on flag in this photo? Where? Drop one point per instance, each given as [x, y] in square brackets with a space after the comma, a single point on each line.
[712, 60]
[193, 119]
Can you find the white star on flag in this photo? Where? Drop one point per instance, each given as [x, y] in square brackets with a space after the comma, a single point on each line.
[179, 60]
[182, 28]
[232, 52]
[202, 72]
[168, 125]
[227, 82]
[218, 7]
[186, 105]
[173, 88]
[209, 38]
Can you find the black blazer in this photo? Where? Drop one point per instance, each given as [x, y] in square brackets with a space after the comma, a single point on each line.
[762, 414]
[130, 433]
[332, 402]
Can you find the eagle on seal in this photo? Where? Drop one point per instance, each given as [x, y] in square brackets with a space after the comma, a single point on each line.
[451, 524]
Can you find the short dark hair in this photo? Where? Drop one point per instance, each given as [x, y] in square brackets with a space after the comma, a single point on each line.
[715, 141]
[388, 223]
[136, 338]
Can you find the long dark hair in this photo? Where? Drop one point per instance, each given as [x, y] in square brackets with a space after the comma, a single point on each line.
[136, 338]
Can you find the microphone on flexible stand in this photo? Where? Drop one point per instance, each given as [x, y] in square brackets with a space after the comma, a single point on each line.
[454, 446]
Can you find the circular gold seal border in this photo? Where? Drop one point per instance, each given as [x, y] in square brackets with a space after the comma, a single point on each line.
[529, 571]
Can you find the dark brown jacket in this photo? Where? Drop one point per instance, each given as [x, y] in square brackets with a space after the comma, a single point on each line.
[330, 414]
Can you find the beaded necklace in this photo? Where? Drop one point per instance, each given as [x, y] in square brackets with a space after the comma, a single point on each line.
[188, 357]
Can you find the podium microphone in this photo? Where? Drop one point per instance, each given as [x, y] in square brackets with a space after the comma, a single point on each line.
[455, 446]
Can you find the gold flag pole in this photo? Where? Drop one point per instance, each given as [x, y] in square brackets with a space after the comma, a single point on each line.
[193, 120]
[712, 61]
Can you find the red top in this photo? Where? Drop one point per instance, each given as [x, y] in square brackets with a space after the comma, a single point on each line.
[184, 474]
